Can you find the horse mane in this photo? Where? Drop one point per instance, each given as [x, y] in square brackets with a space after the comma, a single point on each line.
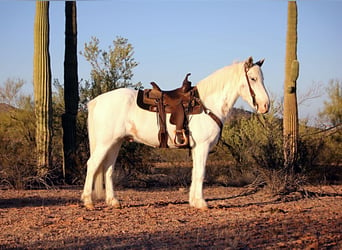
[219, 80]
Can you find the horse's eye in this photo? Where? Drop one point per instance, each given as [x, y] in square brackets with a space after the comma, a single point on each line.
[253, 79]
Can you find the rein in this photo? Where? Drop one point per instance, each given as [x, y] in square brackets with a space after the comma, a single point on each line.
[212, 115]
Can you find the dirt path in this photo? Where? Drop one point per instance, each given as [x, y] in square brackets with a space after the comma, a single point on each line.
[153, 219]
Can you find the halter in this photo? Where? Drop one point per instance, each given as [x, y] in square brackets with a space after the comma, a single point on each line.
[251, 91]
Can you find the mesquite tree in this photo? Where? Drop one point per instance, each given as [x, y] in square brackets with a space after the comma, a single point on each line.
[290, 122]
[71, 96]
[42, 87]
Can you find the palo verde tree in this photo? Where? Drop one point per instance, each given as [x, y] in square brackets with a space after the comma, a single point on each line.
[71, 95]
[42, 88]
[111, 69]
[290, 121]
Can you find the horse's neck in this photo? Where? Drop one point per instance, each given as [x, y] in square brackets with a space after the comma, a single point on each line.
[219, 91]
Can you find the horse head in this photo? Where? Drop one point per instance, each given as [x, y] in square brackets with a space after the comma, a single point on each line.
[252, 88]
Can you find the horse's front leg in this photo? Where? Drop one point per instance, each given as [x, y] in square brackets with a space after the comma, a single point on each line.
[199, 158]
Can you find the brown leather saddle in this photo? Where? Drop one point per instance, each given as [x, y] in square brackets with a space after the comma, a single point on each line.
[180, 103]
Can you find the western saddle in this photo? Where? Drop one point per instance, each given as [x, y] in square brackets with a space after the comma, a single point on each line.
[180, 103]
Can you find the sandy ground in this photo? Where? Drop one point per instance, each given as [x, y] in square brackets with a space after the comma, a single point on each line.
[162, 219]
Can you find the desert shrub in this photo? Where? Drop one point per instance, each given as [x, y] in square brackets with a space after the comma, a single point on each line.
[228, 174]
[331, 153]
[133, 165]
[17, 166]
[323, 154]
[256, 144]
[17, 147]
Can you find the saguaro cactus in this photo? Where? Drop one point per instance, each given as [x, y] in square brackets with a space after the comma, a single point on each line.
[290, 121]
[71, 96]
[42, 87]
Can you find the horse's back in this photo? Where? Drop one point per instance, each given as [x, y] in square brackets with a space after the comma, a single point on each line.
[107, 112]
[112, 98]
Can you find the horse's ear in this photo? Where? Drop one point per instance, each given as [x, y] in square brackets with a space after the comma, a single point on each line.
[249, 62]
[260, 62]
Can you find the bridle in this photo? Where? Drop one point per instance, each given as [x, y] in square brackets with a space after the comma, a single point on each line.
[251, 91]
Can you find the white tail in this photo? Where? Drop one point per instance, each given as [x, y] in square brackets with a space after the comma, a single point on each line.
[99, 192]
[98, 187]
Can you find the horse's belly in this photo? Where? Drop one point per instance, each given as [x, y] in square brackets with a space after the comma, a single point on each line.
[144, 128]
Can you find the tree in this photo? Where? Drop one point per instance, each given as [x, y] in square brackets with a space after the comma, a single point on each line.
[332, 118]
[332, 112]
[290, 121]
[111, 69]
[71, 95]
[9, 92]
[42, 88]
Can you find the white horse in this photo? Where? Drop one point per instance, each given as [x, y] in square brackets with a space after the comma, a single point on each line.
[115, 116]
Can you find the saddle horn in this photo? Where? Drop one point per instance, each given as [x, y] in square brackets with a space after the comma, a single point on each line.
[155, 86]
[186, 83]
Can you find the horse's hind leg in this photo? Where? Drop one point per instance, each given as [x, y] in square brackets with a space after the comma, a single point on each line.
[110, 198]
[92, 168]
[95, 164]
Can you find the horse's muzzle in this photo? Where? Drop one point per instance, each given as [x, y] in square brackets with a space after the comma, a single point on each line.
[262, 109]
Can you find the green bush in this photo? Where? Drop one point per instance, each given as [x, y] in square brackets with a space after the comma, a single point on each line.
[18, 166]
[17, 147]
[256, 144]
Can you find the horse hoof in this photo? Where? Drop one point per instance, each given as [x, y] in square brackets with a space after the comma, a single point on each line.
[199, 204]
[114, 203]
[204, 208]
[117, 206]
[89, 206]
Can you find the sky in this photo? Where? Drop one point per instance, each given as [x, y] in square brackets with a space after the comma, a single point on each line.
[174, 37]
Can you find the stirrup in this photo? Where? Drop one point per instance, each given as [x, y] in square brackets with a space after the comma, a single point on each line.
[184, 137]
